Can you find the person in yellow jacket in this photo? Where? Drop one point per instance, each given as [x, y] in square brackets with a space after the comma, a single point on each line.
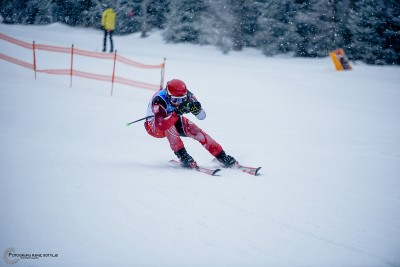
[108, 25]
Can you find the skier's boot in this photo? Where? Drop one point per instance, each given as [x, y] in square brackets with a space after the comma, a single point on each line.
[226, 160]
[186, 160]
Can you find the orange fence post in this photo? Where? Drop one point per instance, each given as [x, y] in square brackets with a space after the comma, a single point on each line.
[113, 74]
[34, 58]
[72, 63]
[162, 75]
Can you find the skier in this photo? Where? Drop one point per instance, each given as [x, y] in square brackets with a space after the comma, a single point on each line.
[168, 107]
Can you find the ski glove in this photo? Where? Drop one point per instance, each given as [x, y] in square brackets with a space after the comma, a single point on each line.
[188, 107]
[195, 108]
[183, 108]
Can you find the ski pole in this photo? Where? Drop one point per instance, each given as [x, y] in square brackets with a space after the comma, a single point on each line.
[132, 122]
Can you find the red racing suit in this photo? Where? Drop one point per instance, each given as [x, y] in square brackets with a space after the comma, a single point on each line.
[166, 123]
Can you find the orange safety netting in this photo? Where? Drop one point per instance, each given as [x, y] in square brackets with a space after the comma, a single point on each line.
[72, 72]
[52, 48]
[16, 61]
[15, 41]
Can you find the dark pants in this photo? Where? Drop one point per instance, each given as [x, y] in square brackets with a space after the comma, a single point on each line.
[105, 41]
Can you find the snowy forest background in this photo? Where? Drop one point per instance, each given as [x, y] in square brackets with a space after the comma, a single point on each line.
[368, 30]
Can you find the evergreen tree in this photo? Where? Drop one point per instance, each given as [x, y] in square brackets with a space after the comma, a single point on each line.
[392, 32]
[23, 11]
[126, 21]
[340, 11]
[71, 12]
[216, 24]
[39, 12]
[276, 30]
[153, 14]
[314, 25]
[374, 26]
[184, 21]
[251, 13]
[157, 10]
[237, 33]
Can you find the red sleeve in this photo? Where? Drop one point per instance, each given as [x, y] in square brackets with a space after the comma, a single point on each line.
[163, 121]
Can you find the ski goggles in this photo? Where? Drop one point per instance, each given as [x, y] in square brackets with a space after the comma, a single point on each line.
[177, 99]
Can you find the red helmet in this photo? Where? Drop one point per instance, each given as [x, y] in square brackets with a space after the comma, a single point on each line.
[176, 88]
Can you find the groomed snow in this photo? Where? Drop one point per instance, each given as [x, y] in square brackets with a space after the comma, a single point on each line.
[75, 181]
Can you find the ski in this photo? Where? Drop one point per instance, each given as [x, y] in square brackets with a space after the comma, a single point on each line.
[201, 169]
[249, 170]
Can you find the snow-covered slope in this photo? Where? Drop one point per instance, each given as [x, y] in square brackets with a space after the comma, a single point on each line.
[75, 181]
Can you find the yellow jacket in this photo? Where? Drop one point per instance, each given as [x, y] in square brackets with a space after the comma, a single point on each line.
[108, 19]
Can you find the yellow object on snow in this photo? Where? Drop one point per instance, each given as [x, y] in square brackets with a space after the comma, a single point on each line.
[339, 59]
